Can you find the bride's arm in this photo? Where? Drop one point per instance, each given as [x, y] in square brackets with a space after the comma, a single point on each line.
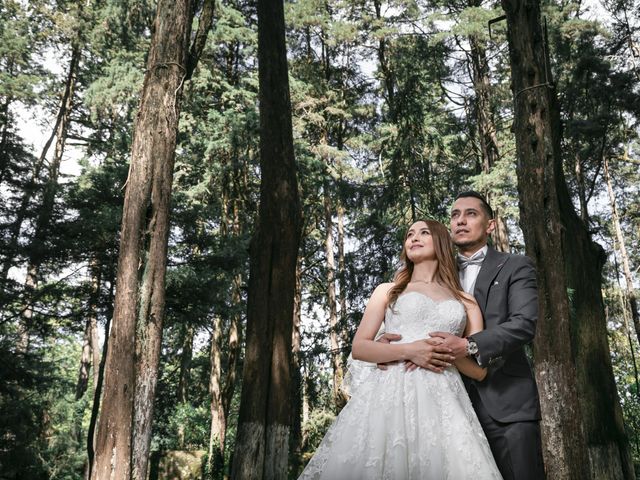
[466, 365]
[364, 347]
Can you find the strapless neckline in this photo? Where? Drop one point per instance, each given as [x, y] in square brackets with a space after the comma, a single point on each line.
[424, 295]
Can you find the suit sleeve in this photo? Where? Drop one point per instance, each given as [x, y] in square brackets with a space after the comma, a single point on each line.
[522, 315]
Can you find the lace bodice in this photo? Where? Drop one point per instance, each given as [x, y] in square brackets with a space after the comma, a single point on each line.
[415, 314]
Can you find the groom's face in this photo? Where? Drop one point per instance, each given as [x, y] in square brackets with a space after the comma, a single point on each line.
[470, 224]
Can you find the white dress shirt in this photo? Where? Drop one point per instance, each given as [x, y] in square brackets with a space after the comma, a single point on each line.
[469, 275]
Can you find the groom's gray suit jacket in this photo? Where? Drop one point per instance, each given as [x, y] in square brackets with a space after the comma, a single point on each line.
[507, 293]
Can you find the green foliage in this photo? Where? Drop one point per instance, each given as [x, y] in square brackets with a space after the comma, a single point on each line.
[193, 421]
[625, 356]
[313, 430]
[43, 425]
[65, 418]
[21, 407]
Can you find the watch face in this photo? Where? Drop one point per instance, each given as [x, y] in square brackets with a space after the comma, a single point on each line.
[473, 348]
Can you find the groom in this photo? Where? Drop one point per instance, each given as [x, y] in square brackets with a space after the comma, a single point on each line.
[504, 285]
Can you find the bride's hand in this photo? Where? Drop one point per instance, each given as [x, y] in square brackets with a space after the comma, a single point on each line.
[429, 353]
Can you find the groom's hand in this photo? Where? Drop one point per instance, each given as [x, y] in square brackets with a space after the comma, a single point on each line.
[432, 355]
[387, 338]
[458, 345]
[409, 366]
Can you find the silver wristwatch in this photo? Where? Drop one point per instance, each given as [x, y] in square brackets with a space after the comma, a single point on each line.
[472, 347]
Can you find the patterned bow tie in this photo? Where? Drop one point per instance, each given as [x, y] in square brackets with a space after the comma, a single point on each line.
[464, 262]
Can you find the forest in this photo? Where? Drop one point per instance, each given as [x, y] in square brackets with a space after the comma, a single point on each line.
[199, 197]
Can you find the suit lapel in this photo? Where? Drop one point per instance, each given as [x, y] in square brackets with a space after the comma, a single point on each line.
[492, 264]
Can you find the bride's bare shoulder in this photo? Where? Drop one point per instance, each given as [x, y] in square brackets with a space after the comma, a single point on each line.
[384, 287]
[382, 290]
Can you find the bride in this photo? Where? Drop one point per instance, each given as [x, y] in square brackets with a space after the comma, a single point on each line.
[406, 422]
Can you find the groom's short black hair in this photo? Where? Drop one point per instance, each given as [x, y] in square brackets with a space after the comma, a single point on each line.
[485, 205]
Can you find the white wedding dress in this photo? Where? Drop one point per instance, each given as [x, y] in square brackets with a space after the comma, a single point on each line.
[402, 425]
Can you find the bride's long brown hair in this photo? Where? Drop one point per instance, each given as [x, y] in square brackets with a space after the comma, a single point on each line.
[446, 270]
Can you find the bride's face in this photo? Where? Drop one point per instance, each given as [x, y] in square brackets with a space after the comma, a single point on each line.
[418, 243]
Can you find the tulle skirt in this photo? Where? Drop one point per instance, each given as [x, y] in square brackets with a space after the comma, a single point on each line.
[404, 425]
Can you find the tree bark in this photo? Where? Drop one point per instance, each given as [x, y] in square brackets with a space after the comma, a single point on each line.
[582, 194]
[339, 399]
[5, 120]
[124, 432]
[235, 328]
[342, 283]
[90, 356]
[45, 211]
[222, 389]
[489, 148]
[296, 375]
[97, 395]
[16, 226]
[306, 402]
[388, 76]
[85, 360]
[186, 355]
[625, 321]
[185, 373]
[629, 291]
[234, 342]
[538, 151]
[264, 419]
[218, 417]
[582, 421]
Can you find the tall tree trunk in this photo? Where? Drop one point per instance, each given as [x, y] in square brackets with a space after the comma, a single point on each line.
[185, 372]
[235, 328]
[90, 357]
[582, 193]
[564, 443]
[500, 235]
[342, 282]
[85, 359]
[234, 342]
[306, 404]
[264, 421]
[186, 355]
[338, 398]
[485, 123]
[5, 120]
[627, 329]
[602, 417]
[123, 437]
[388, 76]
[21, 213]
[97, 395]
[582, 421]
[218, 417]
[95, 351]
[296, 377]
[222, 391]
[45, 211]
[630, 292]
[59, 132]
